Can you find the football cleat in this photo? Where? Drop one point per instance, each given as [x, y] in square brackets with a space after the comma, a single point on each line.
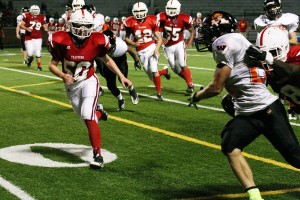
[101, 91]
[29, 61]
[121, 104]
[40, 69]
[134, 96]
[190, 89]
[98, 162]
[292, 115]
[104, 114]
[25, 62]
[138, 65]
[159, 97]
[167, 75]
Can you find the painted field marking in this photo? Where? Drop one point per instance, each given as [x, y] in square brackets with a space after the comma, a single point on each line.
[16, 191]
[159, 130]
[244, 195]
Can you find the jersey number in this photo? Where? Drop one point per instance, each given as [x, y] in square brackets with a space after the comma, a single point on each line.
[143, 37]
[36, 25]
[77, 70]
[174, 32]
[257, 75]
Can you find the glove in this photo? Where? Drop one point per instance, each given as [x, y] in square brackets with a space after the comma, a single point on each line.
[256, 53]
[193, 99]
[138, 64]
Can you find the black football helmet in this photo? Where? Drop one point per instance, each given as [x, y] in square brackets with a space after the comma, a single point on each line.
[215, 24]
[273, 8]
[24, 9]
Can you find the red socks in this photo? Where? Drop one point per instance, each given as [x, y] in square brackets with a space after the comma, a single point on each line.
[162, 72]
[94, 134]
[186, 75]
[157, 83]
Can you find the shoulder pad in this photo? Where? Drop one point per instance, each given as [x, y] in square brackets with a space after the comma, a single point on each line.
[62, 37]
[162, 16]
[289, 18]
[99, 39]
[151, 17]
[129, 21]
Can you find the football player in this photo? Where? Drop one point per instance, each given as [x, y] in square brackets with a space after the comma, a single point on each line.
[60, 26]
[20, 33]
[66, 16]
[274, 17]
[257, 110]
[107, 22]
[33, 22]
[172, 26]
[51, 25]
[284, 74]
[77, 51]
[197, 23]
[118, 51]
[115, 26]
[286, 21]
[122, 28]
[143, 27]
[77, 4]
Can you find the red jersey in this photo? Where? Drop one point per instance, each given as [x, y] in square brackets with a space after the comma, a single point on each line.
[77, 61]
[289, 86]
[51, 27]
[115, 27]
[173, 27]
[242, 26]
[34, 23]
[197, 22]
[142, 30]
[60, 27]
[293, 55]
[122, 26]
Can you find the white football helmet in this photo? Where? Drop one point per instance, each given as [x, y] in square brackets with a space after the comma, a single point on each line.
[107, 19]
[123, 18]
[275, 41]
[199, 14]
[34, 10]
[115, 20]
[139, 10]
[77, 4]
[81, 23]
[61, 20]
[173, 8]
[51, 20]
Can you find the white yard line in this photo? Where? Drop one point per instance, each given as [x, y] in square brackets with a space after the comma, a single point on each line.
[18, 192]
[143, 95]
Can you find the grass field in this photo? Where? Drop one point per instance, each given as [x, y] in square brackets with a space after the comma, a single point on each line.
[157, 150]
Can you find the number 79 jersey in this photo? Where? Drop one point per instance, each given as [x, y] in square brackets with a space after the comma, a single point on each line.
[34, 23]
[246, 82]
[142, 30]
[77, 61]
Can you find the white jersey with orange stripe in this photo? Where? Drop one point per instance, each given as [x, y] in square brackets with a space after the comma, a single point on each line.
[247, 84]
